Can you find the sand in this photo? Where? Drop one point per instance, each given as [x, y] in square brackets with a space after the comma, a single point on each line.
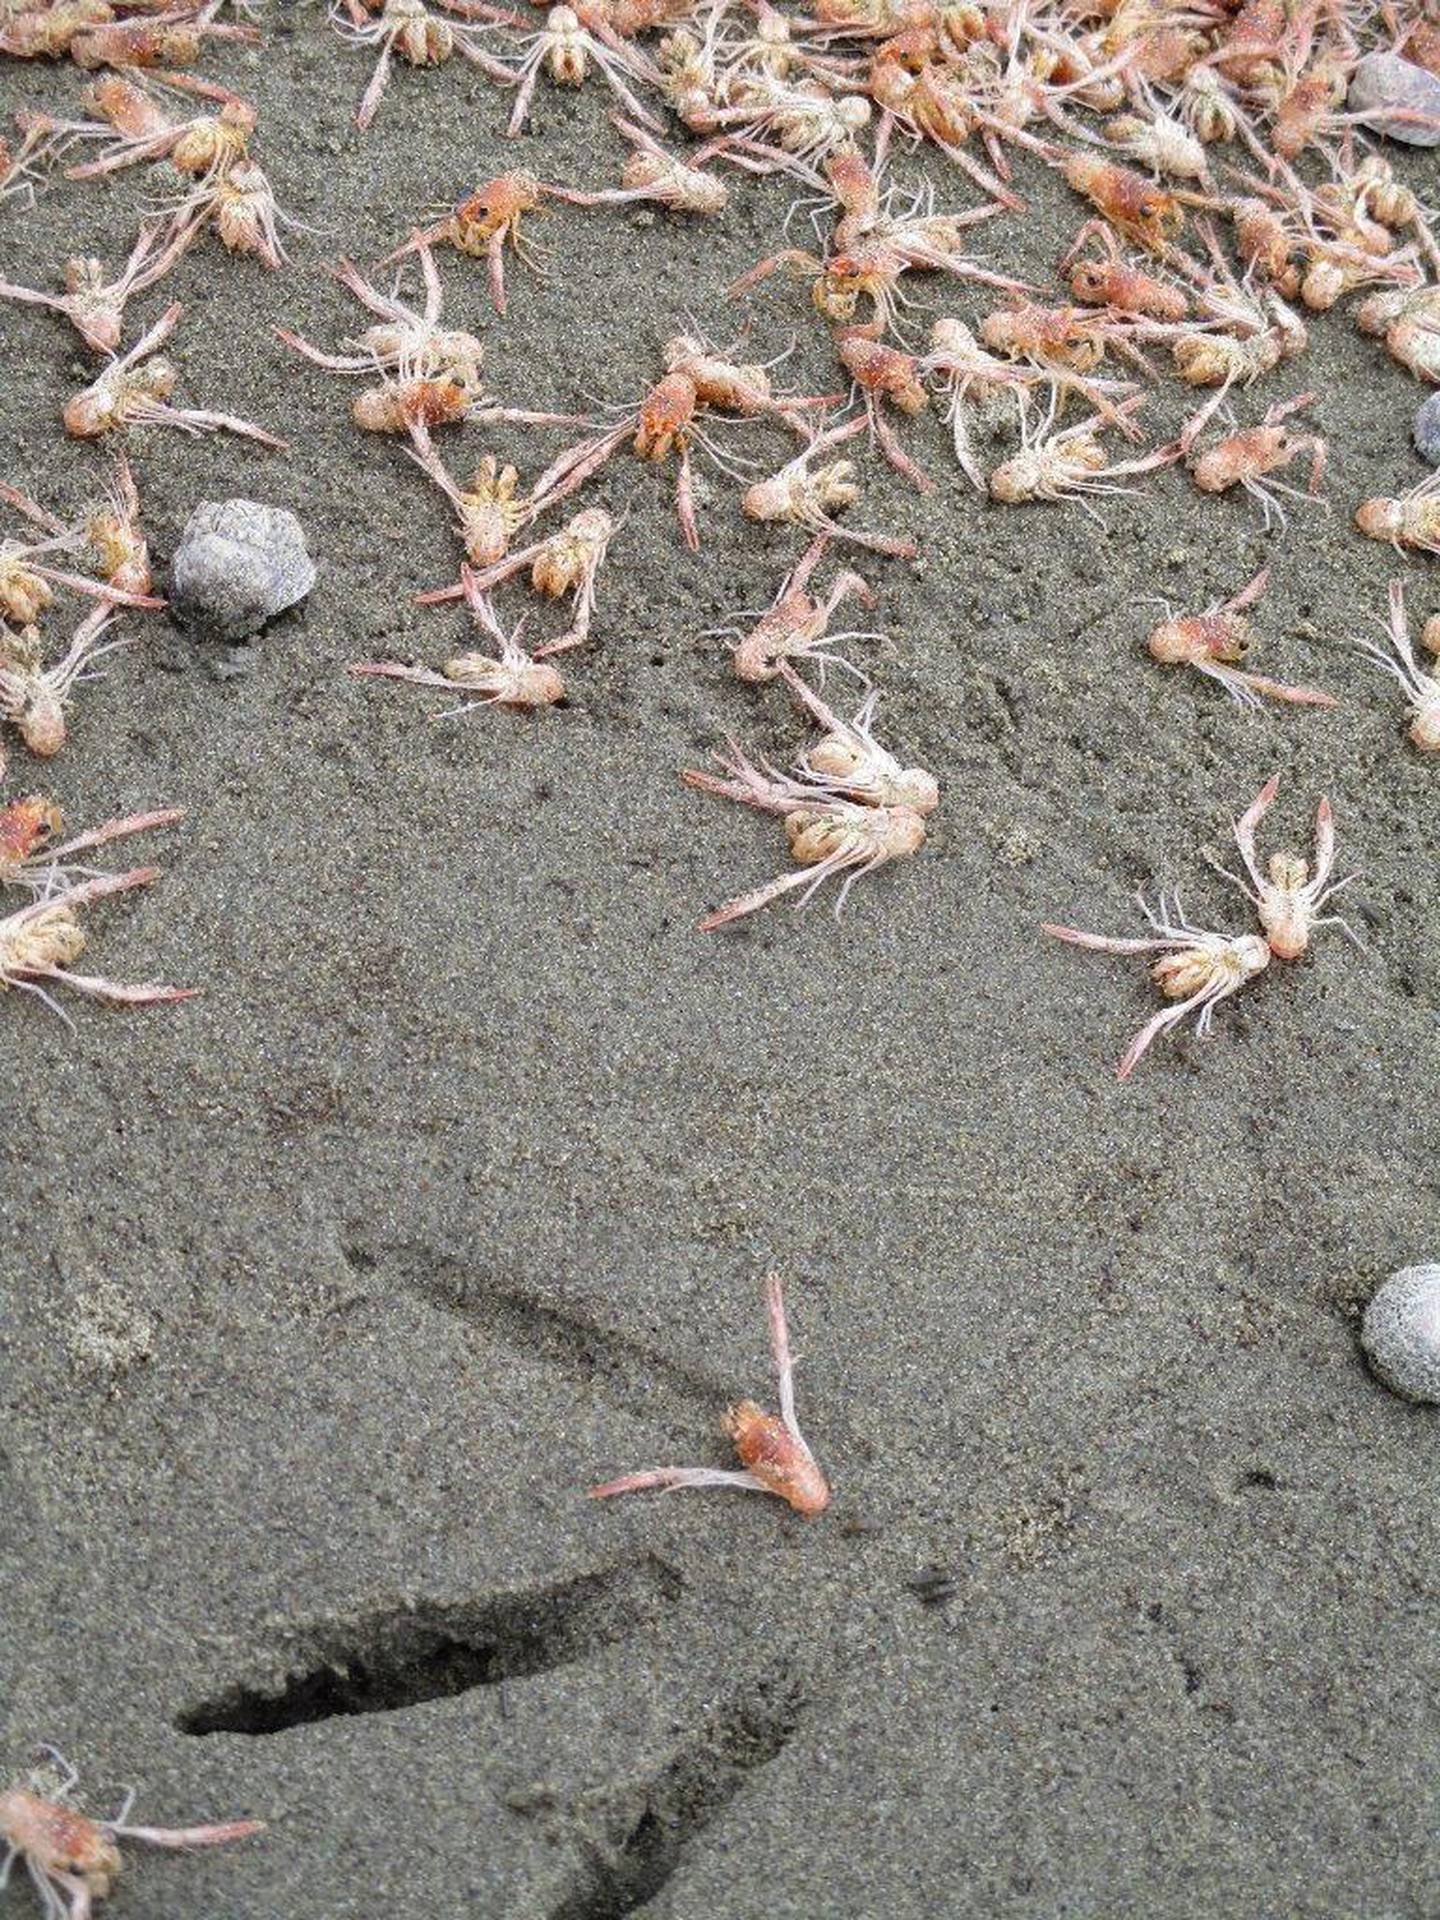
[329, 1292]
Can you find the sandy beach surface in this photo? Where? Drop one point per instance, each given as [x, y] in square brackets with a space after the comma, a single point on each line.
[328, 1293]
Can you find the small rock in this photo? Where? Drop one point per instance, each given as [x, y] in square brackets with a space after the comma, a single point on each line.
[1384, 81]
[238, 564]
[1427, 430]
[1401, 1333]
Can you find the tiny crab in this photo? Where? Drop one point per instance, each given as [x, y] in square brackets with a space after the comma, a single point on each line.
[666, 421]
[652, 173]
[774, 1451]
[113, 536]
[1287, 896]
[403, 337]
[423, 36]
[95, 305]
[1410, 520]
[21, 160]
[1214, 640]
[28, 826]
[565, 49]
[1161, 142]
[480, 225]
[1250, 458]
[811, 496]
[1070, 463]
[487, 513]
[27, 582]
[34, 697]
[72, 1860]
[239, 203]
[849, 760]
[828, 836]
[796, 625]
[882, 373]
[746, 391]
[1196, 968]
[1422, 689]
[1112, 281]
[173, 40]
[567, 562]
[789, 125]
[872, 269]
[1136, 207]
[513, 679]
[1409, 323]
[201, 147]
[37, 945]
[135, 389]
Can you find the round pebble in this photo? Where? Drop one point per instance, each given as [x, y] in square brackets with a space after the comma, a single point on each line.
[238, 564]
[1385, 80]
[1401, 1333]
[1427, 430]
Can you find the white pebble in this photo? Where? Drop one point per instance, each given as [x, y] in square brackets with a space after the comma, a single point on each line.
[1401, 1333]
[1385, 80]
[1427, 430]
[238, 564]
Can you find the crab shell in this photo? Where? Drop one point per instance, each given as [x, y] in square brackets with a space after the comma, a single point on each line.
[1200, 636]
[780, 1462]
[56, 1838]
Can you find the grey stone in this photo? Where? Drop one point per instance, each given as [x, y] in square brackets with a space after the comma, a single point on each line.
[1427, 429]
[1384, 81]
[238, 564]
[1401, 1333]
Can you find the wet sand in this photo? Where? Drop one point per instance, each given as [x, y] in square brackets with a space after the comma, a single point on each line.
[329, 1292]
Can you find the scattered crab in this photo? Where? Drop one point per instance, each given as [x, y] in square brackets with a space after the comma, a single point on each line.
[828, 835]
[849, 760]
[135, 389]
[1287, 896]
[113, 538]
[796, 625]
[514, 678]
[565, 49]
[38, 944]
[27, 581]
[1422, 689]
[1112, 281]
[72, 1860]
[423, 36]
[652, 173]
[136, 128]
[811, 497]
[33, 697]
[567, 562]
[1214, 640]
[1250, 458]
[28, 826]
[480, 225]
[95, 305]
[1197, 968]
[882, 373]
[239, 202]
[666, 421]
[1069, 463]
[402, 337]
[776, 1456]
[1408, 520]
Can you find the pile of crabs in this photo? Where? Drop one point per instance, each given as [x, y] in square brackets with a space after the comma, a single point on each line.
[1233, 167]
